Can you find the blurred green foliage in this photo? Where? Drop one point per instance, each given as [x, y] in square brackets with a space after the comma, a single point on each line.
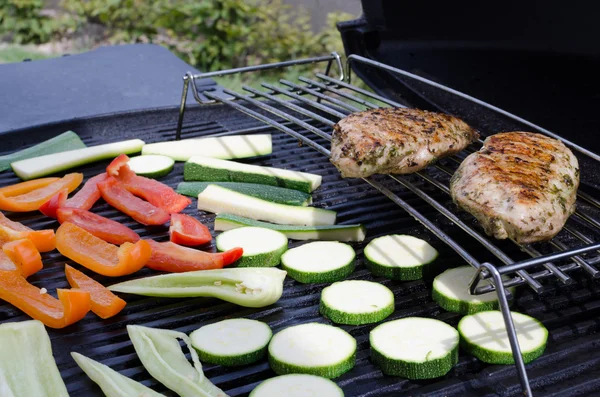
[22, 22]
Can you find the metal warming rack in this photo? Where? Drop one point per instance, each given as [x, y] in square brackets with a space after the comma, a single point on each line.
[342, 98]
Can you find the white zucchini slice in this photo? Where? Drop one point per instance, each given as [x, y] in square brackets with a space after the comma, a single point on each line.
[262, 247]
[152, 166]
[398, 257]
[319, 262]
[217, 199]
[233, 342]
[37, 167]
[414, 347]
[356, 302]
[313, 348]
[484, 336]
[451, 292]
[225, 147]
[215, 170]
[297, 385]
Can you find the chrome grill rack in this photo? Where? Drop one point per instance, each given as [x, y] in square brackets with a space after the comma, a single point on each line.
[321, 101]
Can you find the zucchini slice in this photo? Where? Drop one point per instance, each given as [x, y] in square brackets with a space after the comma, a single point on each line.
[414, 347]
[319, 262]
[152, 166]
[313, 348]
[216, 170]
[297, 385]
[224, 147]
[484, 336]
[398, 257]
[356, 302]
[262, 247]
[451, 292]
[275, 194]
[238, 341]
[295, 232]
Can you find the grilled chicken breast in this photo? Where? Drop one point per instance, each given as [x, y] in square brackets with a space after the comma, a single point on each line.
[395, 141]
[520, 185]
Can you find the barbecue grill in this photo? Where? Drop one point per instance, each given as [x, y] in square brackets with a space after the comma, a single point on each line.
[556, 280]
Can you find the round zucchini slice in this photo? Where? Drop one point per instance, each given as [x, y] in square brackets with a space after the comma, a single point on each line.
[262, 247]
[297, 385]
[399, 257]
[319, 262]
[152, 166]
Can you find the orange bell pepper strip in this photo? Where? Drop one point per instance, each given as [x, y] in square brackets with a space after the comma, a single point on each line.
[4, 221]
[99, 256]
[26, 187]
[33, 200]
[108, 230]
[24, 255]
[71, 306]
[57, 201]
[44, 240]
[170, 257]
[104, 303]
[87, 196]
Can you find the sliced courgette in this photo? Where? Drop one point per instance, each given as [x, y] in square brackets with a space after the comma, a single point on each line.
[265, 192]
[262, 247]
[319, 262]
[152, 166]
[297, 385]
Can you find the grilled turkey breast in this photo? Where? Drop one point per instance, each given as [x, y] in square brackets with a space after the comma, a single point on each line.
[520, 185]
[395, 141]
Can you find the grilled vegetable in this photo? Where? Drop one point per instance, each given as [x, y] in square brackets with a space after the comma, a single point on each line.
[26, 187]
[112, 383]
[398, 257]
[265, 192]
[211, 169]
[87, 196]
[170, 257]
[32, 200]
[60, 143]
[451, 292]
[24, 256]
[27, 367]
[52, 163]
[319, 262]
[161, 354]
[356, 302]
[484, 336]
[50, 207]
[295, 232]
[218, 199]
[249, 287]
[99, 256]
[186, 230]
[104, 303]
[44, 240]
[225, 147]
[233, 342]
[297, 385]
[312, 348]
[262, 247]
[106, 229]
[152, 166]
[414, 347]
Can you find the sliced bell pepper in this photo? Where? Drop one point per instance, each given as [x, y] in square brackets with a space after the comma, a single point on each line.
[24, 255]
[50, 207]
[186, 230]
[26, 187]
[104, 303]
[99, 256]
[87, 196]
[71, 306]
[142, 211]
[6, 263]
[33, 200]
[108, 230]
[4, 221]
[170, 257]
[44, 240]
[151, 190]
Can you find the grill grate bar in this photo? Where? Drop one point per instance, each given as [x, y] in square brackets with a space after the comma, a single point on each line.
[317, 94]
[319, 106]
[360, 91]
[312, 83]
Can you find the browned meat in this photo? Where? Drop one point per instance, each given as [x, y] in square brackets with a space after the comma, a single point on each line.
[395, 141]
[520, 185]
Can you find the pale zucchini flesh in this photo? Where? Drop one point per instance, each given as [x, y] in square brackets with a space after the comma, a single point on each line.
[217, 199]
[346, 233]
[319, 262]
[225, 147]
[312, 348]
[262, 247]
[265, 192]
[151, 166]
[37, 167]
[297, 385]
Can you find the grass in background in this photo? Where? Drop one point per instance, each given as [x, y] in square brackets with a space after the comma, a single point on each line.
[17, 53]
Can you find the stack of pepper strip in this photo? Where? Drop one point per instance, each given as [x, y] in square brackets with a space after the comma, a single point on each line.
[31, 195]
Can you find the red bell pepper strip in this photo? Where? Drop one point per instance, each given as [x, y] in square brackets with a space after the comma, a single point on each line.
[104, 303]
[24, 255]
[170, 257]
[26, 187]
[71, 306]
[99, 256]
[186, 230]
[33, 200]
[50, 207]
[87, 196]
[142, 211]
[108, 230]
[153, 191]
[44, 240]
